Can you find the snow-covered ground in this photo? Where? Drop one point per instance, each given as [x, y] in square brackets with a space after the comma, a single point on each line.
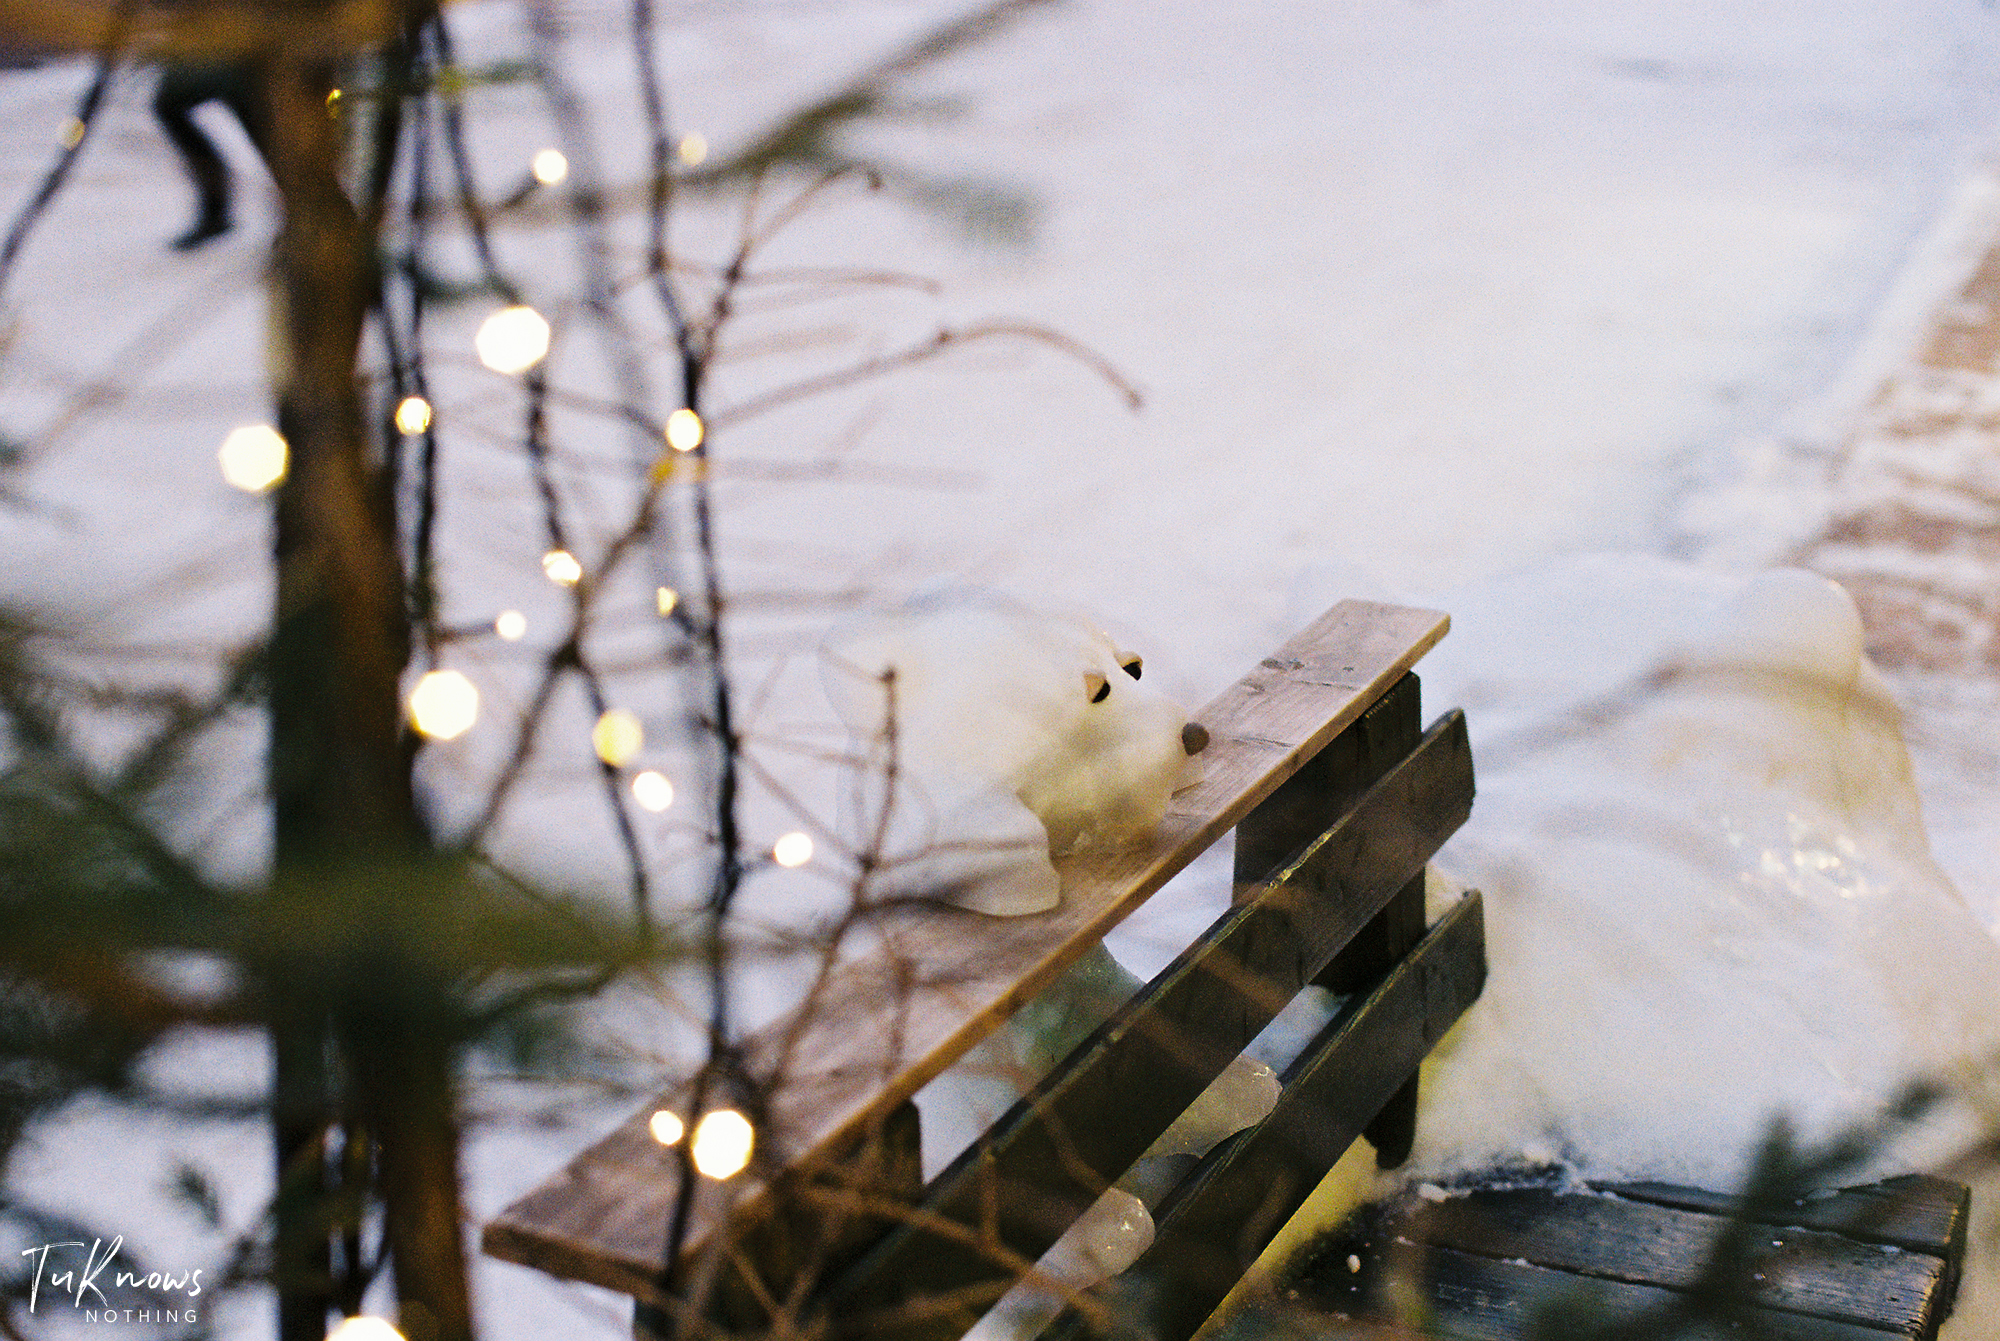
[1417, 294]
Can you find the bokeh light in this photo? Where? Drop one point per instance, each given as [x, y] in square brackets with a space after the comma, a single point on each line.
[511, 625]
[364, 1327]
[549, 166]
[684, 430]
[512, 340]
[561, 568]
[444, 705]
[723, 1140]
[254, 458]
[665, 599]
[794, 849]
[652, 790]
[617, 736]
[413, 415]
[667, 1127]
[693, 149]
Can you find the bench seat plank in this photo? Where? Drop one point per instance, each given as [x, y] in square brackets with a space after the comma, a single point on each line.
[882, 1024]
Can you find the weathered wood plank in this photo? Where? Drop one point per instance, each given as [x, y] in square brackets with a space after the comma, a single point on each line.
[1471, 1298]
[1211, 1227]
[1917, 1213]
[1057, 1150]
[1793, 1270]
[885, 1023]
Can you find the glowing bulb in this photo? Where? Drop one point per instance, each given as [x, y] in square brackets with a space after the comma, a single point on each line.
[693, 149]
[444, 705]
[512, 340]
[253, 458]
[363, 1327]
[413, 415]
[666, 598]
[511, 625]
[666, 1127]
[684, 430]
[794, 849]
[722, 1143]
[561, 568]
[652, 791]
[70, 133]
[617, 736]
[333, 102]
[549, 166]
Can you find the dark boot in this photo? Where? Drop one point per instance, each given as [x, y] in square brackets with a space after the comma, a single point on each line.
[211, 223]
[182, 89]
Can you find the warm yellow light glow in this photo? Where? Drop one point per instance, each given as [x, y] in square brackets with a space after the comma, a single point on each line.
[665, 599]
[617, 736]
[794, 849]
[333, 101]
[444, 705]
[652, 790]
[693, 149]
[561, 568]
[253, 458]
[666, 1127]
[549, 166]
[512, 340]
[722, 1143]
[363, 1327]
[511, 625]
[684, 430]
[70, 133]
[413, 415]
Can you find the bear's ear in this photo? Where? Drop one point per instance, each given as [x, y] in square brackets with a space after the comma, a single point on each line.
[1095, 686]
[1131, 663]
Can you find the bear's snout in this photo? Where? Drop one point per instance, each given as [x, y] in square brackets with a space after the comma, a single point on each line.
[1194, 738]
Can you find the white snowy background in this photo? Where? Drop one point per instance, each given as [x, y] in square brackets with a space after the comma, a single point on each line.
[1419, 294]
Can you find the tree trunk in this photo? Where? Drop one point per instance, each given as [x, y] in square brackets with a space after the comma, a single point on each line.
[344, 810]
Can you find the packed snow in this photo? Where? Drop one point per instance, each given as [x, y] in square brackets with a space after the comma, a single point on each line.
[1421, 298]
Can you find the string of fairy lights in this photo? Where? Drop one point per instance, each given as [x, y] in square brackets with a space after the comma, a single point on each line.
[443, 705]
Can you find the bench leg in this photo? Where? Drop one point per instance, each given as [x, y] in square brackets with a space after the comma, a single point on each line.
[810, 1236]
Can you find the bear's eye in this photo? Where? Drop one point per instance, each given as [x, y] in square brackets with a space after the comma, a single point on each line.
[1132, 667]
[1096, 686]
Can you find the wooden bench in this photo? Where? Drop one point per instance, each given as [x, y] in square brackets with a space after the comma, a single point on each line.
[1318, 760]
[1338, 798]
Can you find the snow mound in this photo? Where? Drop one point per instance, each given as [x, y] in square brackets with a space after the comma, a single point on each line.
[1710, 900]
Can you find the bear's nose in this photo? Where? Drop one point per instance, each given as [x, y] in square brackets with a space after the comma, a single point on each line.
[1194, 737]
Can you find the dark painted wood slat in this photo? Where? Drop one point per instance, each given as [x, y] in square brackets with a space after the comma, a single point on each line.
[1297, 813]
[1474, 1298]
[1050, 1156]
[1797, 1270]
[1210, 1228]
[1915, 1213]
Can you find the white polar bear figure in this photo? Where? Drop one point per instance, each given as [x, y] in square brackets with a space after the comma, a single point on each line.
[993, 737]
